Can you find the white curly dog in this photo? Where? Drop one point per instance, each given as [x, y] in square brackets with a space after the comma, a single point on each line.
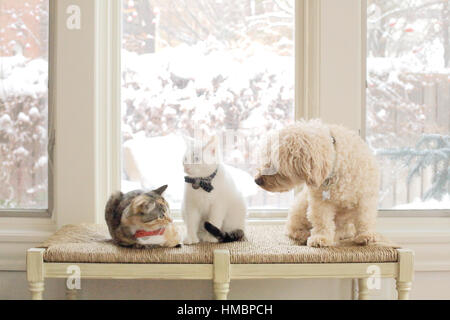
[340, 176]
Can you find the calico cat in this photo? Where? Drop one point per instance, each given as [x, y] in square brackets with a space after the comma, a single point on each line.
[213, 209]
[141, 220]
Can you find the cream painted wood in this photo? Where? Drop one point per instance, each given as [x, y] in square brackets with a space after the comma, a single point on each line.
[363, 290]
[221, 274]
[308, 58]
[405, 273]
[340, 50]
[221, 271]
[132, 271]
[35, 272]
[310, 271]
[108, 91]
[75, 100]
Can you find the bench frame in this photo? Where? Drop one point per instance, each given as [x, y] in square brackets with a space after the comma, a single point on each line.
[221, 272]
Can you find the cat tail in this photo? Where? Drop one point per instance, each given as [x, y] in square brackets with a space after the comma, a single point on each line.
[112, 216]
[235, 235]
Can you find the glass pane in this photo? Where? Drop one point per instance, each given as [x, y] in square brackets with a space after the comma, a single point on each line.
[24, 29]
[408, 101]
[222, 67]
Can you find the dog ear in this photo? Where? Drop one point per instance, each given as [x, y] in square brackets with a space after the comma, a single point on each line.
[316, 175]
[309, 162]
[320, 167]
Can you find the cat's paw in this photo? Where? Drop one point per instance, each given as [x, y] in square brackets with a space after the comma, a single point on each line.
[206, 237]
[209, 238]
[191, 240]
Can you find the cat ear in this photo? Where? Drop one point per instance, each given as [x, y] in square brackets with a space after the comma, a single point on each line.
[188, 140]
[161, 190]
[210, 150]
[211, 144]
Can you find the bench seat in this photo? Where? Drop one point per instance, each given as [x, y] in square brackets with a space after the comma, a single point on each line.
[267, 253]
[264, 244]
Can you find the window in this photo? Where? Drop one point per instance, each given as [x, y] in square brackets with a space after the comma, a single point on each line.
[24, 34]
[221, 67]
[408, 101]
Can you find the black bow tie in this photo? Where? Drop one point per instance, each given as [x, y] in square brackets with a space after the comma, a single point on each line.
[204, 183]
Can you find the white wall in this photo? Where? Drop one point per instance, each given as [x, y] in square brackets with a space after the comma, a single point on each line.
[427, 285]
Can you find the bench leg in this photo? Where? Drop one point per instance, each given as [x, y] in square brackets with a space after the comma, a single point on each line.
[221, 290]
[363, 291]
[405, 273]
[36, 289]
[35, 272]
[71, 294]
[403, 289]
[221, 274]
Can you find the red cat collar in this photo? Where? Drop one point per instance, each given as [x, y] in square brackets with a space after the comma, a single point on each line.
[143, 233]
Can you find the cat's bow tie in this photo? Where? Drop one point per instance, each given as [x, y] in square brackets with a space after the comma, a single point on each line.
[204, 183]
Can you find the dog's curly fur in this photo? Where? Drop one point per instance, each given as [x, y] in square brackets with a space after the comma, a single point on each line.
[303, 154]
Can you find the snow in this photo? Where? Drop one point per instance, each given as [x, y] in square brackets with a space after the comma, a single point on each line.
[42, 162]
[20, 77]
[407, 64]
[5, 121]
[34, 113]
[22, 117]
[431, 204]
[21, 152]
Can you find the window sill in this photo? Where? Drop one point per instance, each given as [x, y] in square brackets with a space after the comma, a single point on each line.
[19, 234]
[429, 237]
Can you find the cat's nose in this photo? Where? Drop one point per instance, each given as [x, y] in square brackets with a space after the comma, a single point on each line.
[259, 181]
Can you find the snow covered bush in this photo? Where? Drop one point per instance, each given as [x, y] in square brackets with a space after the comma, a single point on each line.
[23, 133]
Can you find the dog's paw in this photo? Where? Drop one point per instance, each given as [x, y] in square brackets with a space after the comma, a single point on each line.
[319, 241]
[299, 235]
[365, 238]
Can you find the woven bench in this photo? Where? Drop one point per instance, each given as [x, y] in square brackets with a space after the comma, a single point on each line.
[266, 254]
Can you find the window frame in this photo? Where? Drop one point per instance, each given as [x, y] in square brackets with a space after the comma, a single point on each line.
[44, 213]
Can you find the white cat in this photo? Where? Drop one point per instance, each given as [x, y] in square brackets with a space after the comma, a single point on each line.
[211, 199]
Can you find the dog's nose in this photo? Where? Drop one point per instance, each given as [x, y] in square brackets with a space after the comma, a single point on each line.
[259, 181]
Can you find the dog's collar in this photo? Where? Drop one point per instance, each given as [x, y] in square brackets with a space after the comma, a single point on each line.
[143, 233]
[204, 183]
[328, 181]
